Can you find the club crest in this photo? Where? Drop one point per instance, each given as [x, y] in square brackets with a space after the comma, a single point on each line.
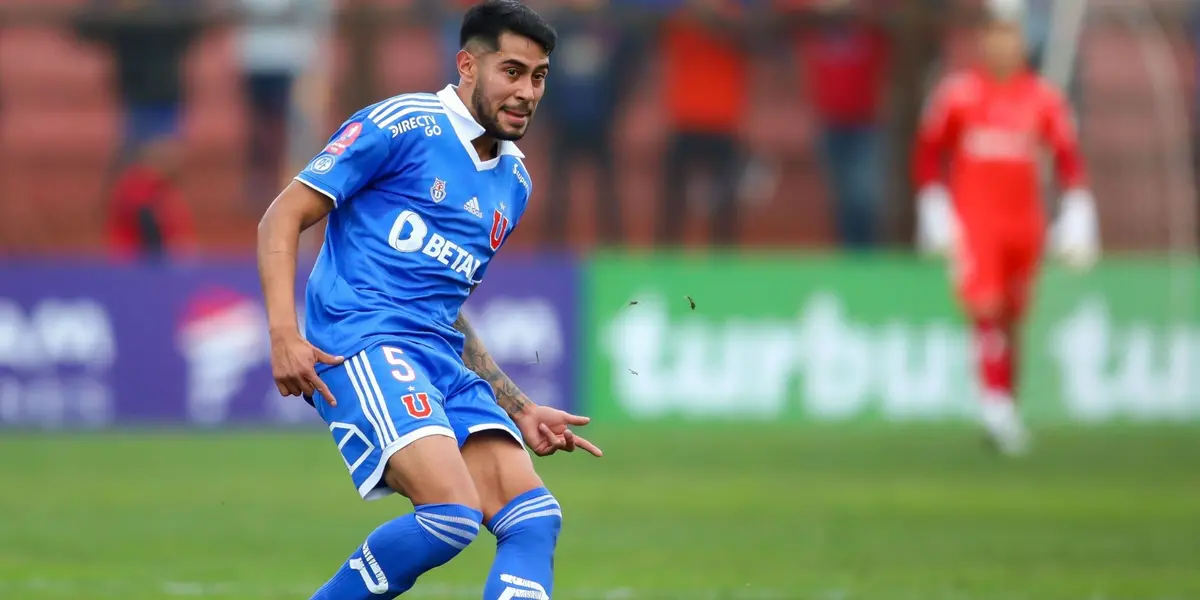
[499, 229]
[438, 191]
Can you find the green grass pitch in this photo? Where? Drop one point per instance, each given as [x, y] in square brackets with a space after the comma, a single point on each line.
[704, 513]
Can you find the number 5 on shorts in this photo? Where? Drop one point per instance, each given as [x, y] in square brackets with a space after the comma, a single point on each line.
[417, 404]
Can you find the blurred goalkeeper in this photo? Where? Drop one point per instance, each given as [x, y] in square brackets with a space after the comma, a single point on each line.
[987, 213]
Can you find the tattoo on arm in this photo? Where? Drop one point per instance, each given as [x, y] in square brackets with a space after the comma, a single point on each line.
[476, 357]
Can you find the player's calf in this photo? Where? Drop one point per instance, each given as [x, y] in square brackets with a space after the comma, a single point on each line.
[522, 514]
[526, 531]
[391, 559]
[446, 520]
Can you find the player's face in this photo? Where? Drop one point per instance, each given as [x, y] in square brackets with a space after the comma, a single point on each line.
[1003, 47]
[510, 83]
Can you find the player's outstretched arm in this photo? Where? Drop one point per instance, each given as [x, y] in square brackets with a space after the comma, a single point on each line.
[293, 359]
[546, 430]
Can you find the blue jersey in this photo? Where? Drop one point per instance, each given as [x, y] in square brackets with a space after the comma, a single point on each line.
[417, 218]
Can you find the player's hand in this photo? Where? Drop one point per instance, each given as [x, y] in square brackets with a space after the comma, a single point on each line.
[1076, 235]
[293, 365]
[547, 430]
[937, 226]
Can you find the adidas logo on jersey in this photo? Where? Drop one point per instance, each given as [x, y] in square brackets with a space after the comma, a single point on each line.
[472, 207]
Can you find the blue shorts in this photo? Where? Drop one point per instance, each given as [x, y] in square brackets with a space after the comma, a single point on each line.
[399, 391]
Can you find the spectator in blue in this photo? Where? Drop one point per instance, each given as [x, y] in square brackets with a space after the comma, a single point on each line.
[591, 75]
[1037, 29]
[149, 40]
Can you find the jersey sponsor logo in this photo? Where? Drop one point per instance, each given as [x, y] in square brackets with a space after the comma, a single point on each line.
[410, 233]
[322, 164]
[425, 123]
[438, 191]
[338, 146]
[472, 206]
[499, 229]
[520, 177]
[989, 143]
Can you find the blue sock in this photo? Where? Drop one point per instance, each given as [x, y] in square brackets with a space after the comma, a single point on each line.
[399, 551]
[526, 533]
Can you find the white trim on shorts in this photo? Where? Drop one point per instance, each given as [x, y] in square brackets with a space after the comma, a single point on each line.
[494, 426]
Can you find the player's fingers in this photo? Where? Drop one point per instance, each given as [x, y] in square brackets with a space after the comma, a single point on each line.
[577, 419]
[588, 446]
[283, 391]
[327, 358]
[569, 440]
[293, 389]
[306, 386]
[323, 389]
[554, 440]
[543, 448]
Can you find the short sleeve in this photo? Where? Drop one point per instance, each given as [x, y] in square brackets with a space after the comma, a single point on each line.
[355, 155]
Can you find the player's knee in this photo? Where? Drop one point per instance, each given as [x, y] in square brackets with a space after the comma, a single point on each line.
[500, 468]
[533, 520]
[449, 528]
[986, 308]
[458, 491]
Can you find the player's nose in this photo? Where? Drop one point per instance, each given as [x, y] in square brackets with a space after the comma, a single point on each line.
[524, 92]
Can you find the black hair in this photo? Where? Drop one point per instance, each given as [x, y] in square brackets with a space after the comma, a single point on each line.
[487, 21]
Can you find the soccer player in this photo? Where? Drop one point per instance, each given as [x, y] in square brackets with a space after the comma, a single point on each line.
[992, 120]
[421, 190]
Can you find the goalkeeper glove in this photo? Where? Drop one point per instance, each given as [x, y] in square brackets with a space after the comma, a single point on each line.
[1076, 234]
[936, 224]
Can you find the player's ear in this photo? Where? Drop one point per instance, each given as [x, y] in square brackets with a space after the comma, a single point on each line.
[467, 66]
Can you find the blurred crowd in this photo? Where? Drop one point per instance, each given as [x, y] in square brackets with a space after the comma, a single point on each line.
[151, 127]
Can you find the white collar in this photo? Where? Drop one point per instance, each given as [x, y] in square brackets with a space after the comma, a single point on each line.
[468, 129]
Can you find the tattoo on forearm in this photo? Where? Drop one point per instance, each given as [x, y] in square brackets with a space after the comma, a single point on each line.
[476, 357]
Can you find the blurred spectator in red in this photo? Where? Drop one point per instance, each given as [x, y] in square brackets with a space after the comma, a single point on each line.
[591, 74]
[148, 40]
[706, 79]
[147, 215]
[844, 65]
[278, 41]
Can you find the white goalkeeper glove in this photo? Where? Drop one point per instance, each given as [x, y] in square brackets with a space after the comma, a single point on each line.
[937, 226]
[1076, 233]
